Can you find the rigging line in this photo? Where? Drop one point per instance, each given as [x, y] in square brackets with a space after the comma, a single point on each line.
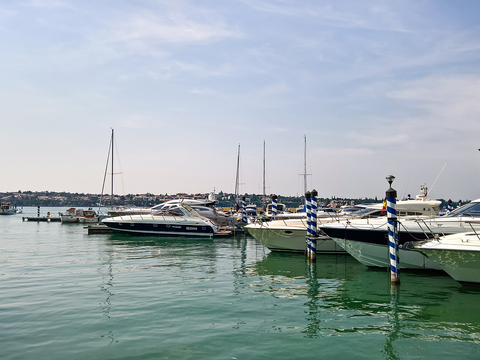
[438, 177]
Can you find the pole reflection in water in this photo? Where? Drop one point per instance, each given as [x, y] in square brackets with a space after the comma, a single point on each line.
[105, 287]
[313, 327]
[393, 320]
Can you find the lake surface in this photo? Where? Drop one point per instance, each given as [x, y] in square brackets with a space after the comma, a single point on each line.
[69, 295]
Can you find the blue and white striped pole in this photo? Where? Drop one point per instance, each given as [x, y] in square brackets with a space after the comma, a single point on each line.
[312, 244]
[244, 210]
[308, 206]
[274, 206]
[391, 196]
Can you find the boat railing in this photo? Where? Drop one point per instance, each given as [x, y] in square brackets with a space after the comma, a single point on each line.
[153, 216]
[473, 229]
[426, 229]
[432, 234]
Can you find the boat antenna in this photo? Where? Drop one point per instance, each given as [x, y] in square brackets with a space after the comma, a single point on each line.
[438, 177]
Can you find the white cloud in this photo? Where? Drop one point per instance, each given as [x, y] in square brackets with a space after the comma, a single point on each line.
[147, 27]
[451, 102]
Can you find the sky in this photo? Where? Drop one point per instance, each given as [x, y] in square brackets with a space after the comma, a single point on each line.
[374, 88]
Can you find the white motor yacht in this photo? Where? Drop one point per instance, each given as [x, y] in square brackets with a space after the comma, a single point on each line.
[367, 240]
[205, 208]
[173, 220]
[457, 254]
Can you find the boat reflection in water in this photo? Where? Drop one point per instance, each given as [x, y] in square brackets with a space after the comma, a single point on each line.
[343, 296]
[457, 254]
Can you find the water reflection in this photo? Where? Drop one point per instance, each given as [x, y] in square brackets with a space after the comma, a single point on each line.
[106, 286]
[313, 308]
[164, 252]
[351, 298]
[394, 324]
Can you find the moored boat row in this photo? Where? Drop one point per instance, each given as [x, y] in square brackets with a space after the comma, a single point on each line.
[289, 235]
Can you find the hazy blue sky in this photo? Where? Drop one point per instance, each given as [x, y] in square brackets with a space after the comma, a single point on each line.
[377, 87]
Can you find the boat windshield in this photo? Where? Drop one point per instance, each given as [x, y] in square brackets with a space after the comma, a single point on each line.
[368, 212]
[192, 211]
[471, 209]
[172, 210]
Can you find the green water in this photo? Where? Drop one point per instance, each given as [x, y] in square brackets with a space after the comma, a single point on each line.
[69, 295]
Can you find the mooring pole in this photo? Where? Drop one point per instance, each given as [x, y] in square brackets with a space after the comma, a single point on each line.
[391, 196]
[274, 206]
[244, 210]
[308, 207]
[312, 243]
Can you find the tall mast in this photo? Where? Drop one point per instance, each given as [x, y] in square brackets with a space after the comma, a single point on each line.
[237, 177]
[264, 170]
[111, 197]
[305, 164]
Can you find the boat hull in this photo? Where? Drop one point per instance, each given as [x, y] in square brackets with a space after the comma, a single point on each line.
[158, 228]
[69, 219]
[291, 240]
[461, 265]
[376, 255]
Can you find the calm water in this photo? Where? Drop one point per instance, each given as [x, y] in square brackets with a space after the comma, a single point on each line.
[69, 295]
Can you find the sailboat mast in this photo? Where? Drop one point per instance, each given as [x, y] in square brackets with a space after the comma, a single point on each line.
[237, 177]
[111, 196]
[305, 164]
[264, 170]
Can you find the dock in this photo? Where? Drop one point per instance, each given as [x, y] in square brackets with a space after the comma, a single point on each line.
[98, 229]
[42, 218]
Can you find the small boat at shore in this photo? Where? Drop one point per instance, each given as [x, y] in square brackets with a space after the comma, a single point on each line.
[74, 215]
[174, 220]
[8, 209]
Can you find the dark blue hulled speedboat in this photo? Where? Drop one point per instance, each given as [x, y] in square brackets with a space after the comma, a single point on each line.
[175, 220]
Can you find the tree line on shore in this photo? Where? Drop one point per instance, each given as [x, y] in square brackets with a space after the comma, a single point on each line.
[225, 200]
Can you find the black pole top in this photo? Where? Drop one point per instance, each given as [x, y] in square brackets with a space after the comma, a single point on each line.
[274, 197]
[314, 193]
[308, 195]
[391, 193]
[243, 197]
